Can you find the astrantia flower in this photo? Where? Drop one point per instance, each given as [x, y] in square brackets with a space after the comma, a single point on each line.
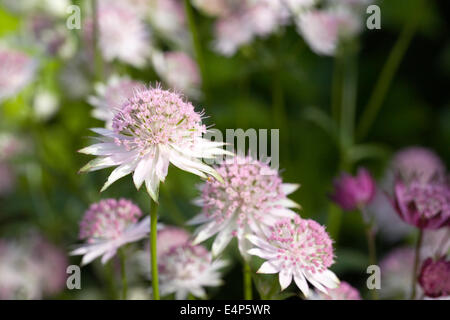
[154, 128]
[108, 225]
[122, 33]
[213, 8]
[183, 267]
[300, 249]
[252, 196]
[434, 277]
[353, 192]
[186, 268]
[16, 71]
[426, 206]
[167, 16]
[396, 269]
[31, 268]
[244, 21]
[110, 97]
[323, 29]
[179, 71]
[343, 292]
[419, 164]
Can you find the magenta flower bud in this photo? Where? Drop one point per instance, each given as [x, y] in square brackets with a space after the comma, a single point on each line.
[352, 192]
[434, 277]
[425, 206]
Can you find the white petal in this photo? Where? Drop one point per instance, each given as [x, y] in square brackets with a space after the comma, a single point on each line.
[285, 278]
[206, 231]
[142, 169]
[152, 185]
[301, 283]
[268, 267]
[101, 149]
[288, 188]
[261, 253]
[223, 238]
[119, 172]
[328, 279]
[198, 219]
[261, 243]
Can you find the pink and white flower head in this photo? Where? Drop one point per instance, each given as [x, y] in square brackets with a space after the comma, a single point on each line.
[351, 192]
[31, 268]
[154, 128]
[425, 206]
[297, 248]
[246, 20]
[17, 70]
[396, 269]
[434, 277]
[343, 292]
[110, 97]
[419, 164]
[252, 195]
[108, 225]
[167, 16]
[122, 34]
[324, 29]
[183, 267]
[169, 237]
[214, 8]
[178, 71]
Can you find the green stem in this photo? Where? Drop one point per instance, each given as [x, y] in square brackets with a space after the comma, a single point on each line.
[372, 252]
[196, 43]
[416, 265]
[349, 93]
[247, 272]
[336, 89]
[124, 274]
[153, 249]
[387, 74]
[98, 60]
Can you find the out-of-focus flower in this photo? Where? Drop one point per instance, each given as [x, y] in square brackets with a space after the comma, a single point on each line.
[110, 97]
[214, 8]
[178, 71]
[396, 270]
[435, 243]
[170, 237]
[244, 21]
[324, 29]
[434, 277]
[53, 38]
[253, 195]
[417, 164]
[167, 16]
[183, 267]
[386, 220]
[425, 206]
[154, 128]
[45, 104]
[10, 146]
[108, 225]
[353, 192]
[31, 269]
[343, 292]
[122, 34]
[57, 8]
[17, 69]
[300, 249]
[7, 179]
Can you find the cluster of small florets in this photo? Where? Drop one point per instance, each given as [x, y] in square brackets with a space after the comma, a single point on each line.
[108, 219]
[304, 243]
[156, 116]
[250, 188]
[430, 199]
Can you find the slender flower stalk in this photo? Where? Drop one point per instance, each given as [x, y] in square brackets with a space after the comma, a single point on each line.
[248, 292]
[416, 264]
[196, 43]
[123, 274]
[153, 248]
[387, 74]
[370, 234]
